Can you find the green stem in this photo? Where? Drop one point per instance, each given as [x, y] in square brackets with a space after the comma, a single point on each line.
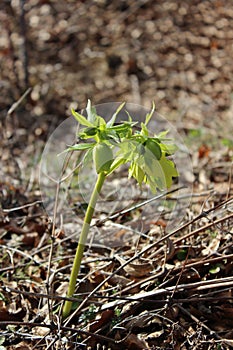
[82, 242]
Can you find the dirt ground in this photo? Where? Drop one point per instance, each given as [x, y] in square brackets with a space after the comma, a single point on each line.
[55, 55]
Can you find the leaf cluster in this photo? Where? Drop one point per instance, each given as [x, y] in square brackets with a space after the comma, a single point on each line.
[147, 156]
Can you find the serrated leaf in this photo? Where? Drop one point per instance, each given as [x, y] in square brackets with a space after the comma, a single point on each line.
[80, 118]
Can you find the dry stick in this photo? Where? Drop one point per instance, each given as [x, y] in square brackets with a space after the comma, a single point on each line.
[53, 328]
[17, 103]
[194, 287]
[21, 207]
[205, 262]
[20, 252]
[137, 206]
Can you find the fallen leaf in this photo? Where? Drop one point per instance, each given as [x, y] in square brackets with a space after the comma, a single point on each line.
[133, 342]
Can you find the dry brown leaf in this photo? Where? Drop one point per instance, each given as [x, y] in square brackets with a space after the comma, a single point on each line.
[139, 269]
[105, 317]
[133, 342]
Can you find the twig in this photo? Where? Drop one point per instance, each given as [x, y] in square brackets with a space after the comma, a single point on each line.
[53, 328]
[20, 252]
[126, 211]
[17, 103]
[21, 207]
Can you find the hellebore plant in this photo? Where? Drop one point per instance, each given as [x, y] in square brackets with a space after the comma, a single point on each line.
[112, 145]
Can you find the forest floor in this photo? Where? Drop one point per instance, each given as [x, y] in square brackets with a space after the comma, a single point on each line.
[158, 276]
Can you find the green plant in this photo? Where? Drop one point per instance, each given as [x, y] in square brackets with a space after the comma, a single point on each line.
[117, 316]
[111, 145]
[89, 314]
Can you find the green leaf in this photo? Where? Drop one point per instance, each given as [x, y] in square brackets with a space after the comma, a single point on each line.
[88, 156]
[215, 269]
[195, 133]
[81, 119]
[129, 117]
[227, 142]
[162, 135]
[144, 130]
[100, 122]
[113, 119]
[122, 127]
[87, 133]
[154, 172]
[116, 164]
[169, 170]
[154, 147]
[149, 115]
[80, 147]
[169, 149]
[136, 172]
[91, 113]
[182, 254]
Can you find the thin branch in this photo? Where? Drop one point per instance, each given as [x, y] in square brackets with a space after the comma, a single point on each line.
[17, 103]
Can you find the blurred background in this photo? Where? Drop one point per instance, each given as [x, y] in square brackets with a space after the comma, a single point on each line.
[176, 53]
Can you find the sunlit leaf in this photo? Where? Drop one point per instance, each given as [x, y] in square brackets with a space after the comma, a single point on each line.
[80, 147]
[144, 130]
[149, 115]
[169, 170]
[169, 149]
[162, 135]
[117, 163]
[113, 119]
[80, 118]
[91, 113]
